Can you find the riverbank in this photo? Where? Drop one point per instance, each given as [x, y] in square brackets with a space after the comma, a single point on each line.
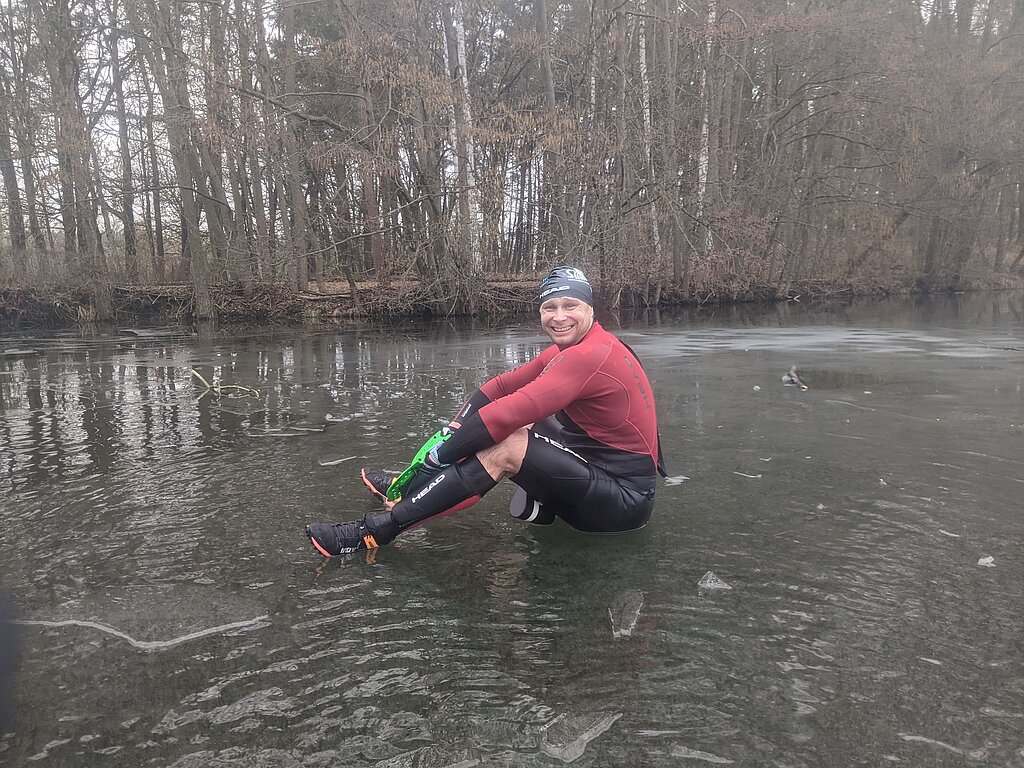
[23, 308]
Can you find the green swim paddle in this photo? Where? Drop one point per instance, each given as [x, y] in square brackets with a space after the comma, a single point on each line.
[399, 484]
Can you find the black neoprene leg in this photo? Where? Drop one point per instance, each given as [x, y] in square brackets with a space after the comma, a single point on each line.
[551, 473]
[432, 495]
[582, 494]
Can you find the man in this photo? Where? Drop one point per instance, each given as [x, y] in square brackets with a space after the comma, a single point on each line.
[594, 464]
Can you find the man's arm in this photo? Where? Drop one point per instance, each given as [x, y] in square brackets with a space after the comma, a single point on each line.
[558, 384]
[501, 386]
[475, 402]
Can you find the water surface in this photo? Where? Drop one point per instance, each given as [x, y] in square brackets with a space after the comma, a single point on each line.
[173, 614]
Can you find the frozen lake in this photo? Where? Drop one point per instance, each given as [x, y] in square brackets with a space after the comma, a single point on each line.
[870, 529]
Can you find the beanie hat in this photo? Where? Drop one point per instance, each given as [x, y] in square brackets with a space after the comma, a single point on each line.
[566, 281]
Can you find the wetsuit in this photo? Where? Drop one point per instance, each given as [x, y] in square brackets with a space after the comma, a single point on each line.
[592, 453]
[595, 465]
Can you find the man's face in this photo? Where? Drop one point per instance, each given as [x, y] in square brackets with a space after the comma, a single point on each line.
[566, 320]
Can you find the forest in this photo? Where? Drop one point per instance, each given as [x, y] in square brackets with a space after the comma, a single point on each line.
[415, 155]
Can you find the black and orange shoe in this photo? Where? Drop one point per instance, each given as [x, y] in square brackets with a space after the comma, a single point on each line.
[333, 539]
[378, 481]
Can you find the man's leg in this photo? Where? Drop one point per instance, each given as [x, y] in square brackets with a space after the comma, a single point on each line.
[551, 476]
[430, 495]
[563, 483]
[523, 506]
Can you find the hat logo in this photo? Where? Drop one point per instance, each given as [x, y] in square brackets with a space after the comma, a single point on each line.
[554, 290]
[575, 274]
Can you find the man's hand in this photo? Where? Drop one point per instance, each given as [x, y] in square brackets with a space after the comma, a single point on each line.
[432, 461]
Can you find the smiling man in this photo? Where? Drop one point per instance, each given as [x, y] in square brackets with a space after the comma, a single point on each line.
[575, 428]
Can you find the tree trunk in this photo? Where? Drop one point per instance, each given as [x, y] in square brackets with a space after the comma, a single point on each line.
[426, 164]
[612, 273]
[261, 176]
[707, 160]
[169, 73]
[15, 217]
[551, 226]
[292, 173]
[246, 181]
[154, 184]
[670, 170]
[1020, 198]
[319, 242]
[59, 40]
[647, 132]
[1017, 261]
[466, 193]
[1003, 214]
[131, 261]
[26, 144]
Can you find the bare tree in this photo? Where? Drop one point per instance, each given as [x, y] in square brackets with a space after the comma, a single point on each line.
[698, 151]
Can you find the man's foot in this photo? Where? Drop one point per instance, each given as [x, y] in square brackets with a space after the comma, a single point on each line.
[333, 539]
[378, 481]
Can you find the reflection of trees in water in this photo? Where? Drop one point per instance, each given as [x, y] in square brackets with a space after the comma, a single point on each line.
[95, 408]
[994, 308]
[10, 647]
[92, 406]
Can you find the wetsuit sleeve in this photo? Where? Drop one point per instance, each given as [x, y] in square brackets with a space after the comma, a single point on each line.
[500, 386]
[472, 435]
[558, 384]
[504, 384]
[475, 402]
[468, 439]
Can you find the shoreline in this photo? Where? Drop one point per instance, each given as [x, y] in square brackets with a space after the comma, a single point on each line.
[34, 309]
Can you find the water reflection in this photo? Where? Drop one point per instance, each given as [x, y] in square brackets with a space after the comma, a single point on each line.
[89, 410]
[152, 536]
[10, 652]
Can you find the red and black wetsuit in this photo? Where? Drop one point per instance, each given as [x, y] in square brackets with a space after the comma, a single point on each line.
[598, 468]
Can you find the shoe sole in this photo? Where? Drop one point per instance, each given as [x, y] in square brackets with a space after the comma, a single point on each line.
[368, 541]
[317, 547]
[388, 504]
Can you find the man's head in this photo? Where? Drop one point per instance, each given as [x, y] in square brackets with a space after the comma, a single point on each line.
[566, 306]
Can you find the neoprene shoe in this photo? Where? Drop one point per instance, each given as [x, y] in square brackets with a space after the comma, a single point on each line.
[333, 539]
[378, 481]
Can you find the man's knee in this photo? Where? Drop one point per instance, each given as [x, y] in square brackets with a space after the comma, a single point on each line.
[507, 456]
